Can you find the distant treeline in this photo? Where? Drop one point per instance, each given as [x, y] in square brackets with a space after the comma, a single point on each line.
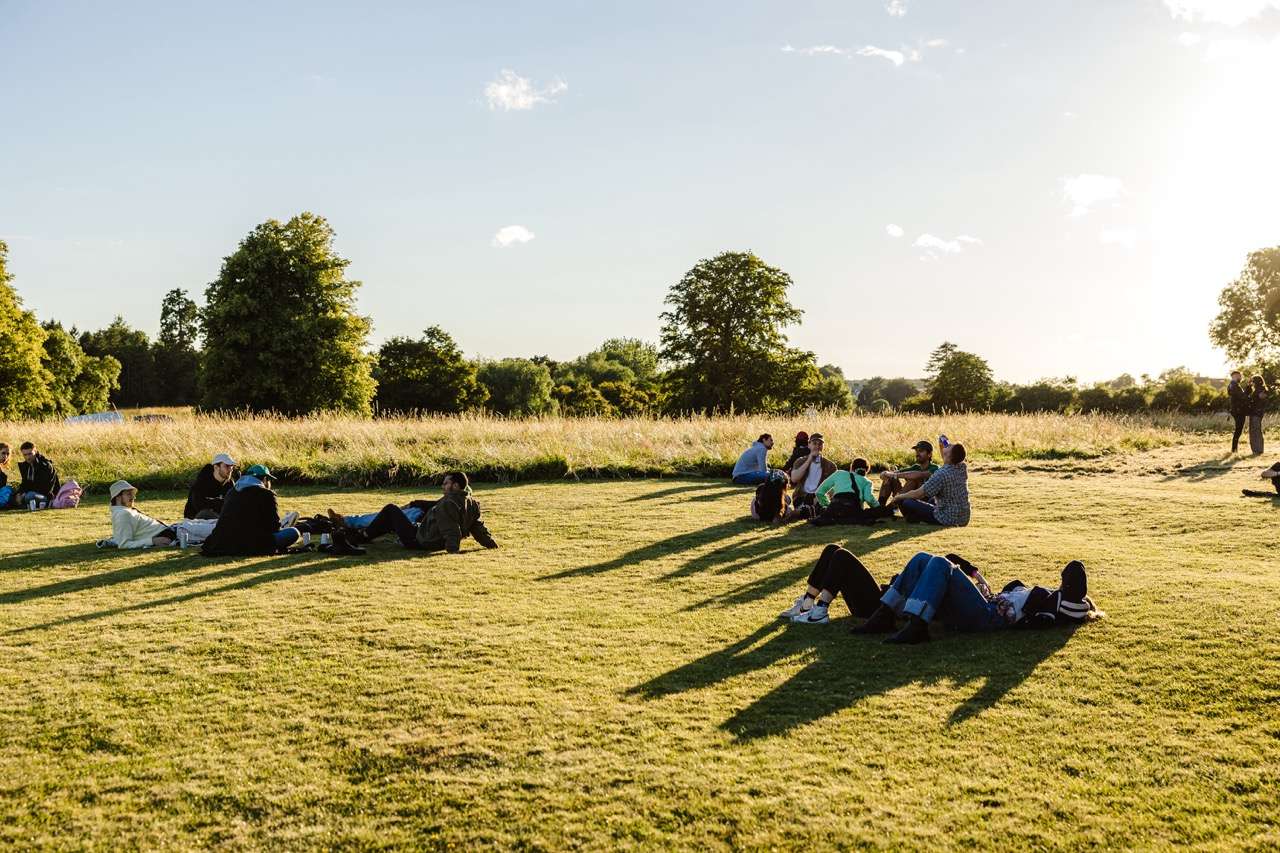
[279, 332]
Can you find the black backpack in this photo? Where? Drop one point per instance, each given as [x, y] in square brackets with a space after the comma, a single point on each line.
[767, 504]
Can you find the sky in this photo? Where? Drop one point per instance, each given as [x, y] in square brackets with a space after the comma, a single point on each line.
[1062, 188]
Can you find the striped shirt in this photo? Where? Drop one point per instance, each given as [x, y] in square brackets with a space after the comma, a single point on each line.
[950, 485]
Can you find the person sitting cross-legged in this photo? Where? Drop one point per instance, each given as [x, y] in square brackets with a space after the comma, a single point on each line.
[450, 520]
[948, 487]
[842, 496]
[837, 572]
[249, 524]
[752, 467]
[910, 477]
[952, 590]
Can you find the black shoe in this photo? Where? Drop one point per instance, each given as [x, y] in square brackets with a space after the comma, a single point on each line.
[916, 631]
[339, 546]
[882, 621]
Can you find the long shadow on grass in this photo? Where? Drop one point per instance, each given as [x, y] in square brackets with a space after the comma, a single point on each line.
[258, 571]
[845, 670]
[1199, 472]
[709, 491]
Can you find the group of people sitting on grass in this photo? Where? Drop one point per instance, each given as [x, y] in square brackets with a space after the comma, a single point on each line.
[811, 487]
[948, 589]
[229, 515]
[39, 486]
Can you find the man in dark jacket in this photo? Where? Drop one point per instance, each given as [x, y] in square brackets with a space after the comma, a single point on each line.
[250, 520]
[1239, 407]
[210, 488]
[39, 478]
[453, 518]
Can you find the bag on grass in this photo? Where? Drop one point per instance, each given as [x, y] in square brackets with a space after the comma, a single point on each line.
[68, 497]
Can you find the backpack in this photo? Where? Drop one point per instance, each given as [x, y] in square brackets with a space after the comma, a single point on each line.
[68, 496]
[768, 503]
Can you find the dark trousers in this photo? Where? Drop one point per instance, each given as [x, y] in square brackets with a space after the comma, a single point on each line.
[841, 573]
[913, 510]
[1239, 431]
[393, 520]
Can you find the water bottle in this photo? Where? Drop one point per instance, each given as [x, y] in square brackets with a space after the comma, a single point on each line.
[31, 505]
[326, 539]
[943, 443]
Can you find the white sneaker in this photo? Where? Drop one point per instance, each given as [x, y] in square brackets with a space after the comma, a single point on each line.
[797, 609]
[289, 518]
[817, 615]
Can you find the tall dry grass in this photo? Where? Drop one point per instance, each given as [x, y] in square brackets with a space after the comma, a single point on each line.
[350, 451]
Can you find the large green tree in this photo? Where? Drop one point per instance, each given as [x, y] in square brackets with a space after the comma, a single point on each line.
[280, 327]
[177, 358]
[723, 335]
[132, 348]
[24, 381]
[429, 374]
[78, 383]
[518, 387]
[959, 381]
[1248, 323]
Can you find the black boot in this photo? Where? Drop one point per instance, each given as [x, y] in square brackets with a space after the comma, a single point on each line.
[916, 631]
[882, 621]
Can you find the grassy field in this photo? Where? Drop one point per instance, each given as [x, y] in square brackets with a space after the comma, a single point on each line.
[615, 676]
[410, 451]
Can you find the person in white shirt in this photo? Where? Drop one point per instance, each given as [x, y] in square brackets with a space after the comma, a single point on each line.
[131, 528]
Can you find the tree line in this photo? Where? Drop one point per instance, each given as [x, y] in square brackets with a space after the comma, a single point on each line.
[279, 331]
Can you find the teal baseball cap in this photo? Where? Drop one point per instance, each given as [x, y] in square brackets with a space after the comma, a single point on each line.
[262, 472]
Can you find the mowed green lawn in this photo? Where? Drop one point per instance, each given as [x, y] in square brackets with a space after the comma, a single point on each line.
[616, 676]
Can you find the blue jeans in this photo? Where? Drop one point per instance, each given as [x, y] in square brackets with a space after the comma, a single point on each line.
[286, 537]
[930, 587]
[753, 478]
[360, 522]
[914, 510]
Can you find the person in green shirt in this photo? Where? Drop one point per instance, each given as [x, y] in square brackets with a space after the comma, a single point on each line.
[842, 496]
[911, 477]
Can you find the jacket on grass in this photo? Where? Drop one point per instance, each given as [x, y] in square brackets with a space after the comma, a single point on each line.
[39, 476]
[133, 529]
[248, 523]
[453, 518]
[206, 494]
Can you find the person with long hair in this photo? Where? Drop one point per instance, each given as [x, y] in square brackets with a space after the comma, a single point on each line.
[1259, 396]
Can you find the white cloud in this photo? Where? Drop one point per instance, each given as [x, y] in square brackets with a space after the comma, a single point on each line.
[510, 91]
[894, 56]
[1084, 192]
[896, 8]
[1233, 13]
[816, 50]
[511, 235]
[935, 247]
[894, 231]
[1189, 39]
[1126, 237]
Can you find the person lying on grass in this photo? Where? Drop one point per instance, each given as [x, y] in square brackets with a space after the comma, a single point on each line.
[131, 528]
[952, 590]
[838, 572]
[450, 520]
[356, 525]
[250, 521]
[1272, 474]
[948, 486]
[842, 495]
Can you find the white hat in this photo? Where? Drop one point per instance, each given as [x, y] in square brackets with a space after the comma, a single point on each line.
[223, 459]
[120, 486]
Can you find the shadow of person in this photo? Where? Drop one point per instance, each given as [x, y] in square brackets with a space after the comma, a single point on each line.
[844, 670]
[724, 531]
[1209, 469]
[706, 491]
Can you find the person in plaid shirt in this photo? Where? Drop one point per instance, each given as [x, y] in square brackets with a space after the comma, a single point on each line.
[948, 486]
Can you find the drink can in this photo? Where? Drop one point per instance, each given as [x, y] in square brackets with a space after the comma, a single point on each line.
[31, 505]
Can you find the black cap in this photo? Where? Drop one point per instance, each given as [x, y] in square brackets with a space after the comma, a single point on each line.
[816, 436]
[922, 445]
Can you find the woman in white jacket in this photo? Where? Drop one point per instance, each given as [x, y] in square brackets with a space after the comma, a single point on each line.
[133, 529]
